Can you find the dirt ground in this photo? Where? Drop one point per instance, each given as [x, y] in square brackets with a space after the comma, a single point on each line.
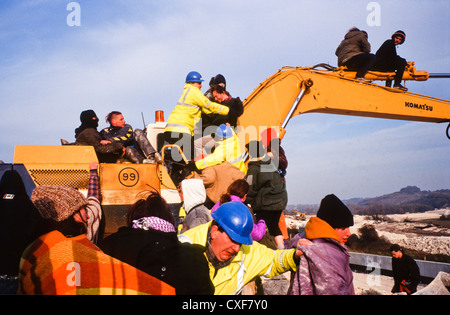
[424, 231]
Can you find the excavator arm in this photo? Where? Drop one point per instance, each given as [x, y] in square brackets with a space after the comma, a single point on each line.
[299, 90]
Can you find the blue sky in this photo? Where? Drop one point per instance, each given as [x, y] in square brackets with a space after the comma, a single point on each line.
[133, 56]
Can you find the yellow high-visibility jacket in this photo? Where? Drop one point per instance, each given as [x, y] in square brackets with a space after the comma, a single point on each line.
[251, 261]
[189, 110]
[226, 150]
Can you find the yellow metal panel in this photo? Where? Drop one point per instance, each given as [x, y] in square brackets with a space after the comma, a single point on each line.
[120, 183]
[57, 165]
[54, 154]
[348, 97]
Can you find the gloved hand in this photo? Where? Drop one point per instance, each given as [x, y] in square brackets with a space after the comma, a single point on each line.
[192, 167]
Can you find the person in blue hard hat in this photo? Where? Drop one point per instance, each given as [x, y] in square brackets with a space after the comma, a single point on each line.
[234, 259]
[180, 124]
[228, 149]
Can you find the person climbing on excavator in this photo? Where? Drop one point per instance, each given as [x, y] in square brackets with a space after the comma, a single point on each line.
[181, 122]
[228, 149]
[209, 122]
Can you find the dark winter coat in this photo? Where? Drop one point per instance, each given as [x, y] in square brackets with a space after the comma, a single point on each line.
[20, 222]
[386, 56]
[106, 153]
[160, 254]
[405, 268]
[324, 267]
[236, 110]
[267, 189]
[355, 42]
[122, 135]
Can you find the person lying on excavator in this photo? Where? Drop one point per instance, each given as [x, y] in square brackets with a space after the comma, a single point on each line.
[119, 131]
[228, 149]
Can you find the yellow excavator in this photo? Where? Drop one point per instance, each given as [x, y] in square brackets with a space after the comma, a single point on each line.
[289, 92]
[299, 90]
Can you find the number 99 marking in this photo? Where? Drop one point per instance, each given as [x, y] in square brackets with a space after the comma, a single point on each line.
[128, 177]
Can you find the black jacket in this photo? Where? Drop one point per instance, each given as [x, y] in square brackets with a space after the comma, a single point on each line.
[236, 110]
[267, 190]
[105, 153]
[20, 222]
[386, 56]
[160, 254]
[405, 268]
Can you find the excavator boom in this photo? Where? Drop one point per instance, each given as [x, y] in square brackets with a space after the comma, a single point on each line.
[298, 90]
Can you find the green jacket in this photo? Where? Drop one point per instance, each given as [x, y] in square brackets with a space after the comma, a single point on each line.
[267, 190]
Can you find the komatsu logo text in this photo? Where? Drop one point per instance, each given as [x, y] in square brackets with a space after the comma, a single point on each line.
[419, 106]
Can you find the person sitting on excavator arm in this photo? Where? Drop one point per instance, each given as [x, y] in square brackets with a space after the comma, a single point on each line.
[234, 259]
[228, 149]
[387, 59]
[180, 124]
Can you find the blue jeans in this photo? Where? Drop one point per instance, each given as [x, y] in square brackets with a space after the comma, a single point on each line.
[9, 286]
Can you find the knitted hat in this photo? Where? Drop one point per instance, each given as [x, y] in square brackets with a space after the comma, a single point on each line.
[57, 203]
[333, 211]
[88, 117]
[401, 34]
[218, 80]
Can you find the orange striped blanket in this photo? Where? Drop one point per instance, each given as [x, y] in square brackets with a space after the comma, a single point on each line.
[55, 264]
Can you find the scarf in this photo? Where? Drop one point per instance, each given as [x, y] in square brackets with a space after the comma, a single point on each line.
[154, 223]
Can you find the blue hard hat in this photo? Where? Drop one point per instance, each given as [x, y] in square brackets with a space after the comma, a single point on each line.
[224, 131]
[236, 220]
[193, 77]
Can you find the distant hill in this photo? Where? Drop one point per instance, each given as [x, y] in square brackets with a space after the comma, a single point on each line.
[408, 199]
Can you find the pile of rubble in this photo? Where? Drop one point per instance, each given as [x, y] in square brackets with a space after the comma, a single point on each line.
[409, 231]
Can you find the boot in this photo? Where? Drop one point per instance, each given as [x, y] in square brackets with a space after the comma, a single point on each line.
[144, 144]
[65, 142]
[133, 155]
[150, 159]
[400, 87]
